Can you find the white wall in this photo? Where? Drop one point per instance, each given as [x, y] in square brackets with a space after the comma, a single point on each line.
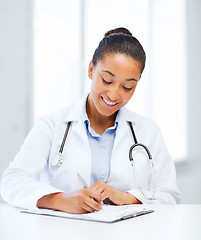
[189, 181]
[15, 76]
[194, 77]
[57, 54]
[189, 177]
[168, 73]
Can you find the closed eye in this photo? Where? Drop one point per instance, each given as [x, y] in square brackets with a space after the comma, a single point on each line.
[106, 82]
[127, 89]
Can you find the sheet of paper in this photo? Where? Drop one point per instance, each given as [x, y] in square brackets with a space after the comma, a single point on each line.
[108, 213]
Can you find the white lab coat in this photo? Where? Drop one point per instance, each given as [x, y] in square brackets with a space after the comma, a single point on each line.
[32, 175]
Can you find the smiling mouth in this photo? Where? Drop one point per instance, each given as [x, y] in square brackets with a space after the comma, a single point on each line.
[108, 102]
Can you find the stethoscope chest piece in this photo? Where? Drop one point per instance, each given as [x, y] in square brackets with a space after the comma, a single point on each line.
[57, 161]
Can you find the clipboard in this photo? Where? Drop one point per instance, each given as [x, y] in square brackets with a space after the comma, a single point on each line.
[108, 213]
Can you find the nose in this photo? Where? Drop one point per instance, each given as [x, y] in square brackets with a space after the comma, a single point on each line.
[114, 94]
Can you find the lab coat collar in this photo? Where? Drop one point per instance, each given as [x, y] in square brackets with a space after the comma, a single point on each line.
[75, 114]
[125, 115]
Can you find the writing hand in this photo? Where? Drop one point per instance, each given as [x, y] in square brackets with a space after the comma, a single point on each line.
[81, 201]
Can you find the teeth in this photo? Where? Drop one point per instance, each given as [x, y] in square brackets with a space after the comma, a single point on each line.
[108, 102]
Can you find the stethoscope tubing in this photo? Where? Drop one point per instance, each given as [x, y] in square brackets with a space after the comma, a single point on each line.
[133, 165]
[60, 161]
[64, 138]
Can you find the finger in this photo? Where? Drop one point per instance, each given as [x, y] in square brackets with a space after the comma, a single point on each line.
[104, 195]
[88, 208]
[99, 194]
[100, 187]
[106, 191]
[101, 190]
[91, 198]
[96, 196]
[92, 205]
[97, 185]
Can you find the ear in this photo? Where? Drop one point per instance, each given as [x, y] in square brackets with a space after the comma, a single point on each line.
[90, 70]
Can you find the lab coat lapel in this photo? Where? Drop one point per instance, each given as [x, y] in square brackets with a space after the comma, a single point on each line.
[75, 115]
[84, 151]
[122, 130]
[80, 136]
[123, 117]
[80, 131]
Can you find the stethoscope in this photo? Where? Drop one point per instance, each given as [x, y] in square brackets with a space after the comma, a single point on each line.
[58, 160]
[152, 197]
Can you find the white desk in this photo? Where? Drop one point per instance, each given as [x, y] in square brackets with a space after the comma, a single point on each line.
[168, 222]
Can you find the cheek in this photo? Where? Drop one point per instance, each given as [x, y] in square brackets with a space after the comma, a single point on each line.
[127, 96]
[97, 86]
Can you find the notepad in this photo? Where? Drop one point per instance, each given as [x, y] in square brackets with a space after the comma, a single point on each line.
[108, 213]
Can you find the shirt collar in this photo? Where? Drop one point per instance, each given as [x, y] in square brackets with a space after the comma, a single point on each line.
[86, 121]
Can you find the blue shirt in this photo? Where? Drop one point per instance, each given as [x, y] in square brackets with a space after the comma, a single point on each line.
[101, 150]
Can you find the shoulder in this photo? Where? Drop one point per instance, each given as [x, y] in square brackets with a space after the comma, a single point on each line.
[59, 115]
[147, 129]
[71, 112]
[138, 120]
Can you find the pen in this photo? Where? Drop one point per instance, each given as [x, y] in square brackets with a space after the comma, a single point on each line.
[84, 184]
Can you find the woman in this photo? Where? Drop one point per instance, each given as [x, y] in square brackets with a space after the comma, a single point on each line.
[97, 144]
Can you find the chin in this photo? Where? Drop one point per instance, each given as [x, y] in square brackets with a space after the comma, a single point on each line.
[107, 113]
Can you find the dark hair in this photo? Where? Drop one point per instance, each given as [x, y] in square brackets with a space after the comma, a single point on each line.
[120, 40]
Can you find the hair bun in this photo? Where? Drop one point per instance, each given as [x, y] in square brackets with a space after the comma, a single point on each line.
[118, 31]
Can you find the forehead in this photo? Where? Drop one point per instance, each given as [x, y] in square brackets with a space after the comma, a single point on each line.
[120, 64]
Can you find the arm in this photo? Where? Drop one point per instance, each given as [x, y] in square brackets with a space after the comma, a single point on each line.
[81, 201]
[20, 183]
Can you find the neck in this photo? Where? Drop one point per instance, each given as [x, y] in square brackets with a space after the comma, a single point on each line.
[98, 121]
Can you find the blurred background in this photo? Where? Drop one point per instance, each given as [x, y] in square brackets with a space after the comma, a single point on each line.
[45, 49]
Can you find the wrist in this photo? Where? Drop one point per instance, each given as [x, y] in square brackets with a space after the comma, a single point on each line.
[131, 199]
[50, 201]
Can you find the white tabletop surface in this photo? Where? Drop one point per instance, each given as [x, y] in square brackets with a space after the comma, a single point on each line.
[179, 222]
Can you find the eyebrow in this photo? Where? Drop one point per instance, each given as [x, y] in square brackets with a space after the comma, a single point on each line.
[112, 74]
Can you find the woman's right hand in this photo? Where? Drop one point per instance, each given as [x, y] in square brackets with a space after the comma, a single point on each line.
[81, 201]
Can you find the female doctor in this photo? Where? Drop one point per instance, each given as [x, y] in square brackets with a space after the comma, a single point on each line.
[93, 163]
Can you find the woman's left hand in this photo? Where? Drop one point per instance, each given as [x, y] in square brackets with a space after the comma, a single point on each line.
[112, 195]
